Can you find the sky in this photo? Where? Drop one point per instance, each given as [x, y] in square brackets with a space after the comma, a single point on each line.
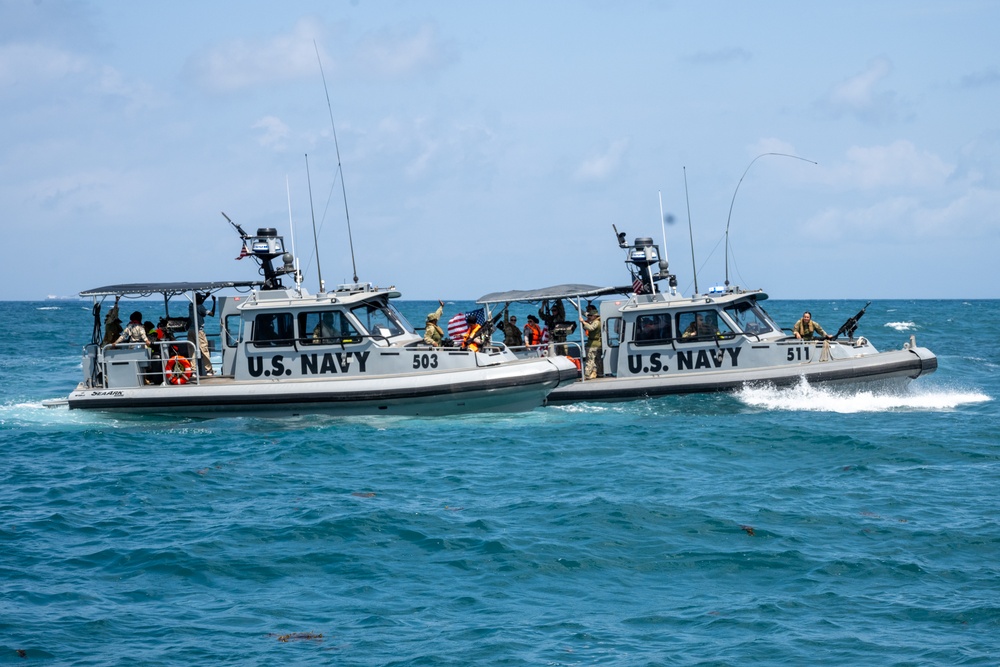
[851, 149]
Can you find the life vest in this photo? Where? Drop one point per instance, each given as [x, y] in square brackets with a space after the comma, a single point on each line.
[470, 336]
[806, 330]
[532, 334]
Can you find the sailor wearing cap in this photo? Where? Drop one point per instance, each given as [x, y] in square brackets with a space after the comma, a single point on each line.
[433, 333]
[594, 367]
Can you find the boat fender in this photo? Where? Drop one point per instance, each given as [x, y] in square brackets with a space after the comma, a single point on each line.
[178, 369]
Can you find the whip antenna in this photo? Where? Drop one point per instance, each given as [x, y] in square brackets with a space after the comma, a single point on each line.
[319, 271]
[663, 224]
[340, 169]
[291, 227]
[738, 189]
[687, 199]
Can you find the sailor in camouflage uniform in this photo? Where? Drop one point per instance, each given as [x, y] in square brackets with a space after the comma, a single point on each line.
[433, 333]
[806, 328]
[594, 368]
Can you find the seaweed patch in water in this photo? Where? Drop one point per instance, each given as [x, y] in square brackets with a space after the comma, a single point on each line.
[298, 636]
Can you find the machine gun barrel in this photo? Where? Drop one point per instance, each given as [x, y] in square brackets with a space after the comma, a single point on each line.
[239, 230]
[851, 325]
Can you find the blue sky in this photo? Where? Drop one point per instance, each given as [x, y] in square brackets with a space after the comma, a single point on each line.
[489, 146]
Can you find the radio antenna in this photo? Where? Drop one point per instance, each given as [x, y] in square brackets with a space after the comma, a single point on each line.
[319, 271]
[291, 227]
[728, 219]
[340, 169]
[687, 199]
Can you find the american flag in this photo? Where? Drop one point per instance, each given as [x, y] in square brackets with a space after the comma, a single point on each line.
[480, 315]
[637, 286]
[243, 252]
[457, 327]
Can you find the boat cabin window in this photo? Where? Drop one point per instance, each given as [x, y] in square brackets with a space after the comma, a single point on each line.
[749, 317]
[327, 328]
[231, 329]
[273, 330]
[702, 325]
[380, 320]
[613, 331]
[649, 328]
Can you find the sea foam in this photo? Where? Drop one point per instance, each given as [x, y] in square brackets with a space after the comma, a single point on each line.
[806, 398]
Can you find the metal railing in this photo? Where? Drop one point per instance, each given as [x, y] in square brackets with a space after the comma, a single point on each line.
[163, 362]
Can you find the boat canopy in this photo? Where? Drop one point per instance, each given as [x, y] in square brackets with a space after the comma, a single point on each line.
[568, 291]
[168, 289]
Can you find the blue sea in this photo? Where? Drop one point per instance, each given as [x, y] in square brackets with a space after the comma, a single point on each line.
[794, 527]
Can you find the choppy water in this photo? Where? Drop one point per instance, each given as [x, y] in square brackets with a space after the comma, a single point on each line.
[768, 527]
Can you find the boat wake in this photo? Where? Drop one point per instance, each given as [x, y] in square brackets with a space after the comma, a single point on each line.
[806, 398]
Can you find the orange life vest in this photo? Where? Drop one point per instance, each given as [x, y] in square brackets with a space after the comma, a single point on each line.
[532, 334]
[470, 336]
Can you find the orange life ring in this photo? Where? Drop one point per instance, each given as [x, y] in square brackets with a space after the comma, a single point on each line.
[575, 361]
[178, 369]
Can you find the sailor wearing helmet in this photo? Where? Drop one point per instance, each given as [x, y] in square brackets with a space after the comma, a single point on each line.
[433, 333]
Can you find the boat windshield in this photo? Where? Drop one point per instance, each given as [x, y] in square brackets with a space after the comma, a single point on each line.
[381, 319]
[326, 328]
[700, 325]
[749, 317]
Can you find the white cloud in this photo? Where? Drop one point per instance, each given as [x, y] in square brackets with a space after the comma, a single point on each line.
[858, 92]
[601, 167]
[96, 191]
[398, 53]
[969, 215]
[863, 223]
[274, 132]
[35, 66]
[35, 63]
[897, 165]
[244, 63]
[861, 94]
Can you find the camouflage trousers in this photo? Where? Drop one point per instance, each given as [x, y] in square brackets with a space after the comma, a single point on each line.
[594, 366]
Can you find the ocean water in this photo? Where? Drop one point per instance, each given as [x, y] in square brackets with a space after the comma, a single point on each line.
[793, 527]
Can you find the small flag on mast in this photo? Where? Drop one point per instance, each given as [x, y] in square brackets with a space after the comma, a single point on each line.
[243, 252]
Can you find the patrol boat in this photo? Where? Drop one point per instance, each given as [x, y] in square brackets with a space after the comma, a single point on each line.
[655, 341]
[285, 351]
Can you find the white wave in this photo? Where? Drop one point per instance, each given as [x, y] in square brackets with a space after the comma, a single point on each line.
[901, 326]
[806, 398]
[36, 413]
